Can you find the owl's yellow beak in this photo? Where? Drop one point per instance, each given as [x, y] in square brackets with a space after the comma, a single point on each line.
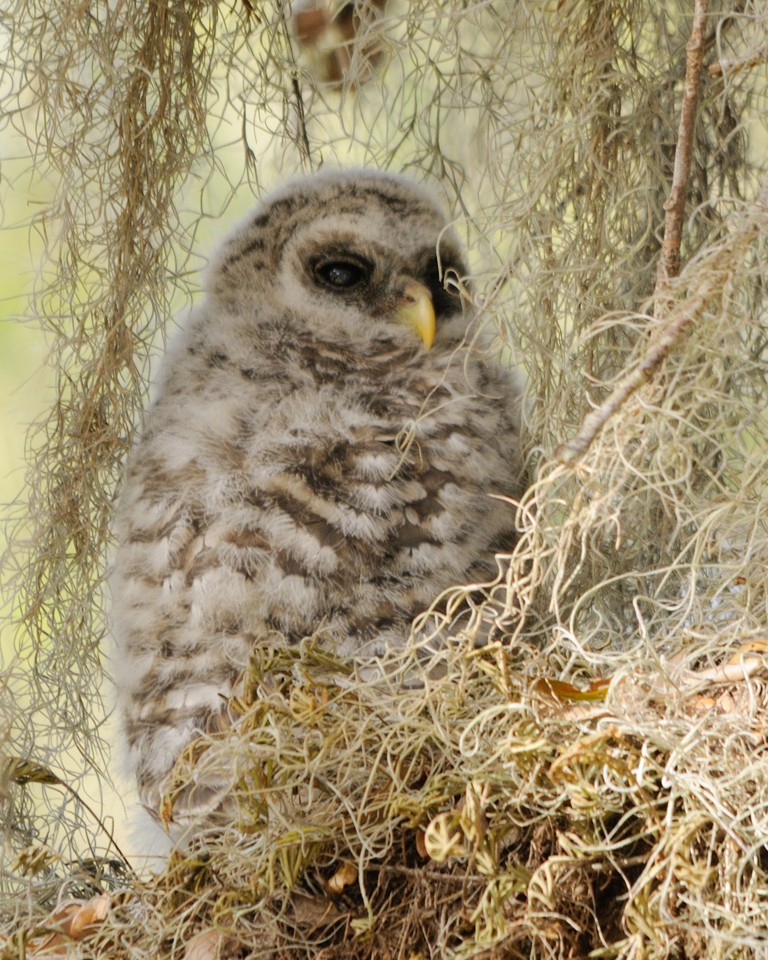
[416, 310]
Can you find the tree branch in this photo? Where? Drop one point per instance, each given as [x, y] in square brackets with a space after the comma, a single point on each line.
[669, 261]
[670, 332]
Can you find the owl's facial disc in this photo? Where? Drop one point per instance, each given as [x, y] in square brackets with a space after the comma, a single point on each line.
[414, 301]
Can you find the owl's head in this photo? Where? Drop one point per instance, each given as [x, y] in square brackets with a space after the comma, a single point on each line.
[361, 257]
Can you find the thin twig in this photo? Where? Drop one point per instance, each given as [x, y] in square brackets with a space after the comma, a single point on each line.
[669, 261]
[302, 139]
[303, 142]
[22, 771]
[673, 328]
[741, 63]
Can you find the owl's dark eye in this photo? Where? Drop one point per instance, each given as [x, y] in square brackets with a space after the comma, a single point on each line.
[341, 274]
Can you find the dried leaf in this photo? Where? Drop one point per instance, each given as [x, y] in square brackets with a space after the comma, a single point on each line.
[54, 945]
[210, 945]
[421, 846]
[344, 876]
[559, 690]
[88, 915]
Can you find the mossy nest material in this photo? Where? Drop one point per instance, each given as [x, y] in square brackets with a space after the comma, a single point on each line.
[490, 811]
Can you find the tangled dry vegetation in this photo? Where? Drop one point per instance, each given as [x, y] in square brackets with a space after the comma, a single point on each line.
[581, 770]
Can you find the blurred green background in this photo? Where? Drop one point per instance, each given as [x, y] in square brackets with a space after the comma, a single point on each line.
[24, 378]
[27, 233]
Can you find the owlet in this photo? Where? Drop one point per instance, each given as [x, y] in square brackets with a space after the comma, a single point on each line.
[320, 458]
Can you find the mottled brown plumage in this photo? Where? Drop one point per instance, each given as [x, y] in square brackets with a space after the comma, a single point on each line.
[309, 466]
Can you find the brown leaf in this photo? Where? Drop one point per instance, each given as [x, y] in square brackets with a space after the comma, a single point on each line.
[88, 915]
[74, 920]
[210, 945]
[421, 846]
[566, 692]
[52, 947]
[313, 912]
[344, 876]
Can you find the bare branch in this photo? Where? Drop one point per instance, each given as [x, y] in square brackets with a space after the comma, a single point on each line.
[740, 63]
[669, 262]
[674, 327]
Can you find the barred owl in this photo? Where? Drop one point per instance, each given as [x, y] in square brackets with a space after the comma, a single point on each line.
[319, 459]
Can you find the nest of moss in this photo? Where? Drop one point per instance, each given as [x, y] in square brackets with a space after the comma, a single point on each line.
[487, 809]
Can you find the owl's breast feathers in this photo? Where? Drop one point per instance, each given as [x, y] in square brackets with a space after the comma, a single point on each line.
[340, 496]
